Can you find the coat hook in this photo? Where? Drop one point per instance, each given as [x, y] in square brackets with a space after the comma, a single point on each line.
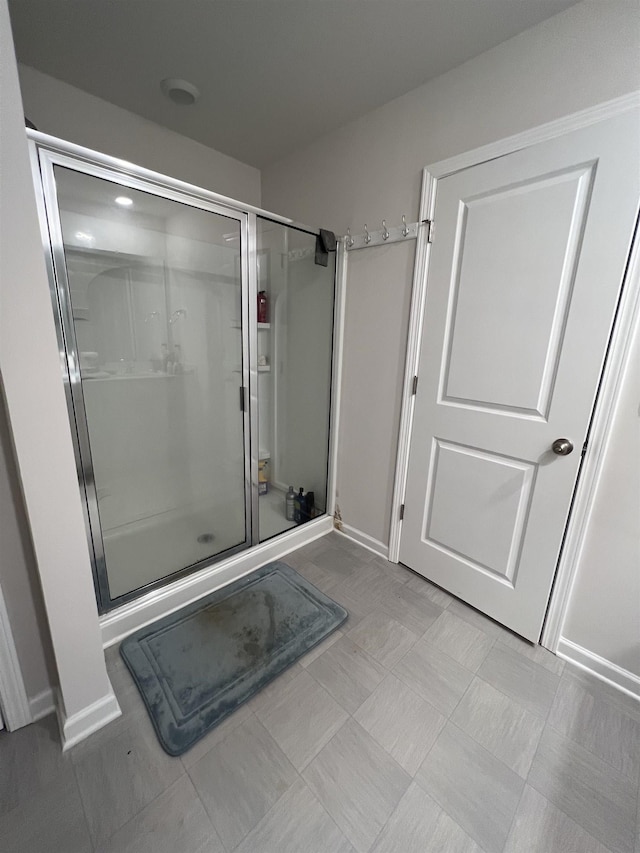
[349, 241]
[385, 230]
[367, 236]
[405, 230]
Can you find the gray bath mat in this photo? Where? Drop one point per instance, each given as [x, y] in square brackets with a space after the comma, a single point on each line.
[194, 667]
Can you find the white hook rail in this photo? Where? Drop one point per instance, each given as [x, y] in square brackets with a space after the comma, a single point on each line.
[406, 231]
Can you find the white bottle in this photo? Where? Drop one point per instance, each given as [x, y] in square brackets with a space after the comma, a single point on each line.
[290, 505]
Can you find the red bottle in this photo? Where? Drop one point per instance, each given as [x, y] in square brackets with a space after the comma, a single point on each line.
[262, 306]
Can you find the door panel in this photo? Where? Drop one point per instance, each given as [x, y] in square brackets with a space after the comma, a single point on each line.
[465, 485]
[519, 286]
[151, 294]
[523, 280]
[294, 381]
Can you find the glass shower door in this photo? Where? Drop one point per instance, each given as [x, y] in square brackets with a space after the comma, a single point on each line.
[151, 300]
[294, 344]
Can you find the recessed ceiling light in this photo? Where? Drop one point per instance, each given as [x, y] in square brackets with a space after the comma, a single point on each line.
[180, 91]
[124, 201]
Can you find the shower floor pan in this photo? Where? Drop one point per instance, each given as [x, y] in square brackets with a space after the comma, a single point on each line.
[155, 547]
[150, 549]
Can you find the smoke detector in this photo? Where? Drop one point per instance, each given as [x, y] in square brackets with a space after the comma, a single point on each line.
[180, 91]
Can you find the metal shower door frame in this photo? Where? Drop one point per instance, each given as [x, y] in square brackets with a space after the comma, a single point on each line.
[46, 153]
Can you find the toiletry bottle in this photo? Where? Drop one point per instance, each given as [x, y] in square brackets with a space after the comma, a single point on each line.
[263, 476]
[290, 505]
[299, 505]
[262, 307]
[309, 506]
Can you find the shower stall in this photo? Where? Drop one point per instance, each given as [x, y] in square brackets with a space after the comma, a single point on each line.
[192, 410]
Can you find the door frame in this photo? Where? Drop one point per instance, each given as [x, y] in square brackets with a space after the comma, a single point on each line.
[45, 157]
[15, 710]
[613, 359]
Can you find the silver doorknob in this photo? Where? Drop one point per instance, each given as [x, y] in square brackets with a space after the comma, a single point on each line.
[562, 446]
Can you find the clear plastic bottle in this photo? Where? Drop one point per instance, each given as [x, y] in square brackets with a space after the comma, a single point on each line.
[290, 505]
[177, 359]
[263, 307]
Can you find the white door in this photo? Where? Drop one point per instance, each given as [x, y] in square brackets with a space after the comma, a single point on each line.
[525, 269]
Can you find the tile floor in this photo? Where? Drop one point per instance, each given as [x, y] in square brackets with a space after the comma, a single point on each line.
[419, 726]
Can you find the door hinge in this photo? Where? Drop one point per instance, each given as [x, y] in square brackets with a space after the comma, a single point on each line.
[401, 512]
[584, 448]
[414, 386]
[430, 229]
[243, 399]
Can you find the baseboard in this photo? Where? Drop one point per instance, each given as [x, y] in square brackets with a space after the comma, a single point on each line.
[79, 726]
[599, 667]
[118, 624]
[42, 704]
[365, 540]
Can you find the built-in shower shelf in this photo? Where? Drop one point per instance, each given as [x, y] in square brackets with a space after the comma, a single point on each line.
[261, 326]
[262, 368]
[101, 377]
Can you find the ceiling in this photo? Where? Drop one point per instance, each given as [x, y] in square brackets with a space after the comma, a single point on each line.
[274, 74]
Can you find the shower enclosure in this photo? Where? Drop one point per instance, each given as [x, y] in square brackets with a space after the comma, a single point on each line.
[191, 419]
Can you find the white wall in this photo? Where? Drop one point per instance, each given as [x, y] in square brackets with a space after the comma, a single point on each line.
[370, 169]
[64, 111]
[604, 610]
[19, 575]
[71, 114]
[377, 300]
[29, 364]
